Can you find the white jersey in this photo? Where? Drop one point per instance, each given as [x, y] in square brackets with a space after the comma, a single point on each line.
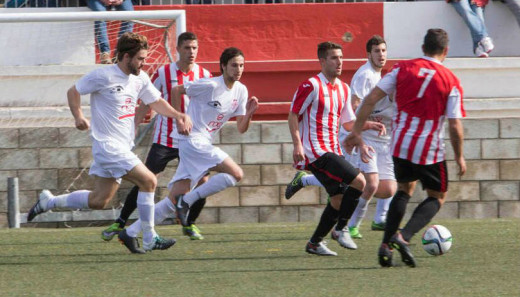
[166, 78]
[212, 104]
[364, 81]
[113, 98]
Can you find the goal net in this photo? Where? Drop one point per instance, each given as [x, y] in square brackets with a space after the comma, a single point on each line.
[44, 53]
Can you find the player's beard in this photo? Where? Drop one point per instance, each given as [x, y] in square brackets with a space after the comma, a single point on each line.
[133, 69]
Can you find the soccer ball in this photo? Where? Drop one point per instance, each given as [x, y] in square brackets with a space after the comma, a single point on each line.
[437, 240]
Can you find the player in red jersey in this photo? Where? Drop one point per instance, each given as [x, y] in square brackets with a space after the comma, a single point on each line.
[321, 104]
[426, 93]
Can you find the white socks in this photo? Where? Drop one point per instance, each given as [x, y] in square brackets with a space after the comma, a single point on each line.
[359, 213]
[164, 209]
[145, 206]
[310, 180]
[382, 209]
[215, 184]
[74, 200]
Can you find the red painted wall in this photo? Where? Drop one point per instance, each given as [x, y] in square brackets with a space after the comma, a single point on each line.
[280, 31]
[280, 41]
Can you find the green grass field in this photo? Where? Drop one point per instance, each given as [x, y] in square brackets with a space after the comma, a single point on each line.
[257, 260]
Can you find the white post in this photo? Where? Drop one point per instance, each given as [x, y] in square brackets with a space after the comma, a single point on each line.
[13, 203]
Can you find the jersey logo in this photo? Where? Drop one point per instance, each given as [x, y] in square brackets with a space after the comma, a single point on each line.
[214, 104]
[306, 85]
[234, 104]
[117, 89]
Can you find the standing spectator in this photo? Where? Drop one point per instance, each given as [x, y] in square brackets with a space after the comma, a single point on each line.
[472, 12]
[100, 27]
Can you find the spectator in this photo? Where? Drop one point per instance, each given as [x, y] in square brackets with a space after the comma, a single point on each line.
[472, 12]
[101, 26]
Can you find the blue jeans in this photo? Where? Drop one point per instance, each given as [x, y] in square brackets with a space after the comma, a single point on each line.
[473, 16]
[100, 27]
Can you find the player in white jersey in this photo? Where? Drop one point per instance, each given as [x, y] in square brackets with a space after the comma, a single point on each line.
[213, 101]
[114, 92]
[379, 171]
[165, 147]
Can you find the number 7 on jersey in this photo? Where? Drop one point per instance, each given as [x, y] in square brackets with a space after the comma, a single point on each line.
[429, 75]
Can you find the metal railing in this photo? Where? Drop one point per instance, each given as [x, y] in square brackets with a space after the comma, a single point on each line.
[79, 3]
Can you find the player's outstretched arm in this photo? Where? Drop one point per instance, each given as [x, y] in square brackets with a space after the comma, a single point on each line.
[74, 99]
[298, 154]
[457, 142]
[164, 108]
[244, 121]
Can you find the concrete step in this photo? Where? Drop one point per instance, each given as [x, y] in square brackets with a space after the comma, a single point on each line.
[19, 117]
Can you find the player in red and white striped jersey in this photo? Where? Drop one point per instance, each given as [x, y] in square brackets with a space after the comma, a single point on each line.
[165, 147]
[426, 93]
[320, 105]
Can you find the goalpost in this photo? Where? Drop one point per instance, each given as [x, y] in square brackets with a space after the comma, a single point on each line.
[44, 53]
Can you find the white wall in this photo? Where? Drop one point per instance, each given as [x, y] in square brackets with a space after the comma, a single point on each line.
[405, 25]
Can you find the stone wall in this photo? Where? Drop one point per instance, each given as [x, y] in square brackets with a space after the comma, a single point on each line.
[53, 158]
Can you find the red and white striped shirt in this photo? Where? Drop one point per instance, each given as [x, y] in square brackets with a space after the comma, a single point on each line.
[321, 107]
[426, 93]
[167, 77]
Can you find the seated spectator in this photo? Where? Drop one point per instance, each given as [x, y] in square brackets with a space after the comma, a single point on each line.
[100, 27]
[472, 12]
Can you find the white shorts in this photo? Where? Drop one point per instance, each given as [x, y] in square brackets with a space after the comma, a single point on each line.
[112, 160]
[380, 163]
[197, 156]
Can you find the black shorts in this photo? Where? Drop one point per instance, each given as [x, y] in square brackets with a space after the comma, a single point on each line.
[433, 177]
[333, 172]
[159, 156]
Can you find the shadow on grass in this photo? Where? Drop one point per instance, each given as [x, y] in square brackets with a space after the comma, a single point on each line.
[136, 258]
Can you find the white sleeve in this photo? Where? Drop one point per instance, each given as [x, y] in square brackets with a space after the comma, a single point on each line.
[148, 94]
[359, 85]
[242, 101]
[91, 82]
[454, 108]
[347, 114]
[200, 87]
[389, 81]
